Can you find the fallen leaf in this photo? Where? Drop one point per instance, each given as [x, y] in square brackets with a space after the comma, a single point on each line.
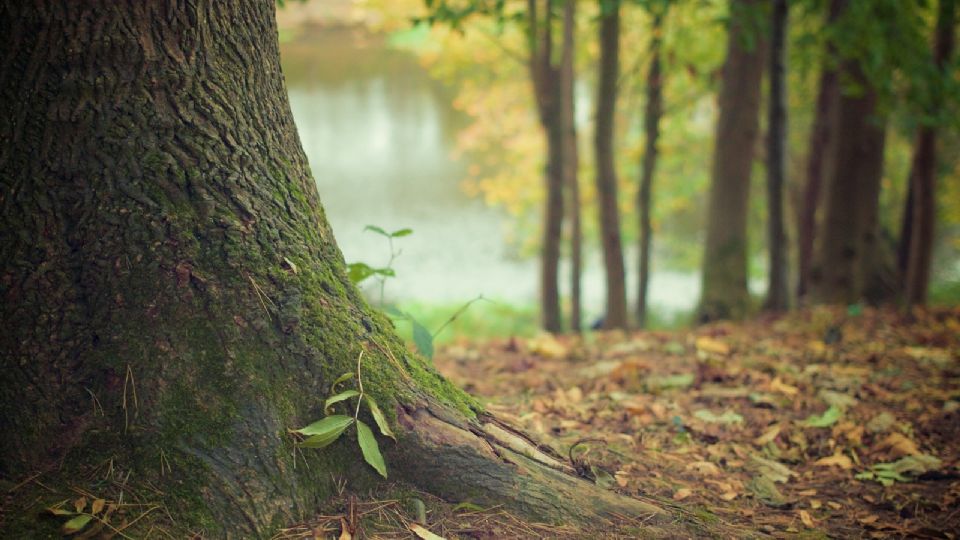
[838, 459]
[807, 519]
[776, 385]
[774, 470]
[768, 436]
[827, 419]
[704, 468]
[682, 494]
[344, 531]
[97, 506]
[710, 345]
[423, 533]
[898, 445]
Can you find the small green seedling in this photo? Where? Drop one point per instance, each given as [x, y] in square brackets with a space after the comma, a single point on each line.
[359, 271]
[323, 433]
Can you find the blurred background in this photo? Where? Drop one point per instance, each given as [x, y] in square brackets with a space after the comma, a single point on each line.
[420, 118]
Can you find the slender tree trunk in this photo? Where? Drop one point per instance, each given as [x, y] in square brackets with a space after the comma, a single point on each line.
[847, 258]
[923, 172]
[616, 314]
[778, 292]
[174, 300]
[724, 291]
[821, 140]
[546, 86]
[571, 161]
[651, 128]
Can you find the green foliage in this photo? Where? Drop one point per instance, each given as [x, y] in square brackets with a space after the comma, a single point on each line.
[328, 430]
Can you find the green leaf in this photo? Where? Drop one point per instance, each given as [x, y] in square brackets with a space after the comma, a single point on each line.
[341, 379]
[324, 432]
[346, 394]
[422, 338]
[389, 272]
[377, 230]
[76, 524]
[395, 312]
[827, 419]
[468, 507]
[400, 233]
[359, 271]
[379, 417]
[370, 449]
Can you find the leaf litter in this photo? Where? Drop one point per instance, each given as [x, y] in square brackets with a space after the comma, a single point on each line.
[845, 424]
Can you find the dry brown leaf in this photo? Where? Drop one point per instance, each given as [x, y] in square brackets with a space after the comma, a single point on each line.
[777, 385]
[815, 504]
[807, 519]
[704, 468]
[729, 495]
[547, 346]
[768, 436]
[872, 518]
[97, 506]
[710, 345]
[423, 533]
[807, 493]
[344, 531]
[837, 459]
[898, 445]
[621, 478]
[682, 494]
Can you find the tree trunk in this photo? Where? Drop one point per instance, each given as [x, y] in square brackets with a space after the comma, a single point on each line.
[174, 300]
[546, 85]
[778, 294]
[847, 258]
[821, 140]
[571, 162]
[724, 292]
[651, 128]
[923, 172]
[616, 308]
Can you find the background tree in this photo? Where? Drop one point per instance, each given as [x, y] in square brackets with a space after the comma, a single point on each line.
[571, 161]
[651, 128]
[174, 299]
[725, 293]
[608, 210]
[819, 142]
[778, 293]
[918, 237]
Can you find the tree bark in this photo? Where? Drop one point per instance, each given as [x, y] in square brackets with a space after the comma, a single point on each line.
[545, 75]
[571, 162]
[724, 291]
[923, 172]
[609, 213]
[174, 300]
[778, 293]
[651, 128]
[821, 140]
[847, 258]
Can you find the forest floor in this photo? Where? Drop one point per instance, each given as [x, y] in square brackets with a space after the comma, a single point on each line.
[822, 423]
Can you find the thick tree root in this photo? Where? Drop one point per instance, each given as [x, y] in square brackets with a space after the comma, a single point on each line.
[485, 462]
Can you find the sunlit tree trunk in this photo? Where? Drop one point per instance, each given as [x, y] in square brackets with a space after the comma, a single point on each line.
[847, 256]
[923, 172]
[571, 162]
[778, 293]
[724, 292]
[651, 128]
[609, 213]
[545, 75]
[174, 300]
[820, 142]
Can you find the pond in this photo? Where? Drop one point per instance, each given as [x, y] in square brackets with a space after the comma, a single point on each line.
[379, 134]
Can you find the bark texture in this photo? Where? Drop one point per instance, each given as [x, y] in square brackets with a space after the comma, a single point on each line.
[174, 300]
[846, 263]
[778, 292]
[545, 74]
[923, 171]
[608, 209]
[651, 128]
[724, 291]
[571, 162]
[821, 140]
